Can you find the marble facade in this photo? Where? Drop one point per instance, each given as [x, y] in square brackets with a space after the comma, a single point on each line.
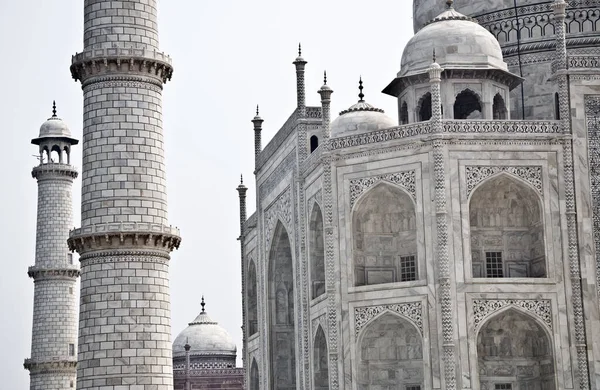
[451, 251]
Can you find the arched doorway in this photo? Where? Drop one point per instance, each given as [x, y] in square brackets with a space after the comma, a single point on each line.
[321, 361]
[390, 355]
[499, 107]
[507, 233]
[385, 237]
[467, 105]
[424, 107]
[514, 352]
[282, 340]
[316, 252]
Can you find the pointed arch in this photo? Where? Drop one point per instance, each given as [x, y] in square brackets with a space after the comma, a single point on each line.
[314, 143]
[499, 108]
[467, 105]
[404, 113]
[254, 376]
[316, 252]
[424, 107]
[507, 229]
[514, 349]
[320, 361]
[55, 154]
[281, 306]
[385, 236]
[390, 354]
[252, 296]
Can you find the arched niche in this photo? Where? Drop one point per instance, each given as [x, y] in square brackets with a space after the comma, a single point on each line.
[254, 376]
[252, 288]
[467, 105]
[507, 233]
[499, 108]
[320, 361]
[282, 340]
[314, 143]
[390, 355]
[55, 154]
[67, 155]
[316, 252]
[424, 108]
[514, 352]
[404, 114]
[556, 106]
[385, 237]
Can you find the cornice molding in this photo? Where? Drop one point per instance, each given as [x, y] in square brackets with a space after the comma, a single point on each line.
[65, 365]
[39, 274]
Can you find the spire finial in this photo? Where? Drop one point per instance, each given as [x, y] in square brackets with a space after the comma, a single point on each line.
[54, 109]
[257, 110]
[361, 95]
[324, 77]
[450, 3]
[300, 49]
[241, 179]
[434, 55]
[202, 304]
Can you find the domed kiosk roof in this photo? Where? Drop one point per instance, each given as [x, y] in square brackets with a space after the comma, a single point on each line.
[54, 128]
[360, 118]
[204, 337]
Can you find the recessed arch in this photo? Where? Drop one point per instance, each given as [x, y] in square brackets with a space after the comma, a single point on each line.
[281, 305]
[384, 236]
[320, 361]
[390, 354]
[314, 143]
[424, 107]
[515, 351]
[254, 376]
[316, 252]
[252, 295]
[404, 113]
[499, 108]
[507, 229]
[467, 105]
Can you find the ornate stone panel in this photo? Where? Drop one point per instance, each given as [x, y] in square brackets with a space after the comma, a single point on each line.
[592, 108]
[406, 180]
[530, 174]
[280, 209]
[539, 308]
[413, 311]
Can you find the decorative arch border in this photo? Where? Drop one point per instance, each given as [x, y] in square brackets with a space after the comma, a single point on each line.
[279, 210]
[471, 90]
[320, 321]
[532, 175]
[484, 309]
[316, 199]
[406, 180]
[410, 311]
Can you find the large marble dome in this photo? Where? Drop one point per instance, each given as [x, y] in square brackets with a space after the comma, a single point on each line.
[459, 43]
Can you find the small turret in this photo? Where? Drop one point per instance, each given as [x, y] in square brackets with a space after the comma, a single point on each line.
[55, 140]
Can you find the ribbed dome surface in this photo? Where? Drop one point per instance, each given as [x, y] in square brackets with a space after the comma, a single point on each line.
[459, 43]
[205, 337]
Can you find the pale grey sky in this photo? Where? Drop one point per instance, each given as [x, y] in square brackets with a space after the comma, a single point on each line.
[228, 56]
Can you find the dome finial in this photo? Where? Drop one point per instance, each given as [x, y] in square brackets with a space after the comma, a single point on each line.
[54, 109]
[434, 59]
[202, 304]
[257, 110]
[361, 95]
[450, 3]
[241, 179]
[300, 49]
[324, 77]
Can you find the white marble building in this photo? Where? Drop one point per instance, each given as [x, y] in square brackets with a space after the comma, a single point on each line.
[455, 247]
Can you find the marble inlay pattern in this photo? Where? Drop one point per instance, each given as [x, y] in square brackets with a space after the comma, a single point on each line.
[540, 308]
[413, 311]
[530, 174]
[280, 209]
[592, 107]
[405, 180]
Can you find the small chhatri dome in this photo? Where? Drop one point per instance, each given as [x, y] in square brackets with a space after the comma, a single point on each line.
[54, 128]
[205, 338]
[360, 118]
[459, 41]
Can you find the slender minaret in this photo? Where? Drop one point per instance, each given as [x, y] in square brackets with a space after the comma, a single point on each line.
[257, 121]
[125, 239]
[53, 362]
[325, 93]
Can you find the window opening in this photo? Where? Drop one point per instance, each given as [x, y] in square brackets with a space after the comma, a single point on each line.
[503, 386]
[408, 268]
[493, 264]
[314, 143]
[71, 349]
[413, 387]
[467, 106]
[425, 108]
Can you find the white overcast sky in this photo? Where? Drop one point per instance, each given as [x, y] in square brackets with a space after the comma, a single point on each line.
[228, 56]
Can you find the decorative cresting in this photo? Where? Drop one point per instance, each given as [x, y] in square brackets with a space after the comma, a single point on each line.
[280, 209]
[484, 308]
[478, 173]
[412, 311]
[406, 180]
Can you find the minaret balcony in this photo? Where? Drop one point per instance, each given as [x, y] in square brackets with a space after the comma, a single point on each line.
[54, 170]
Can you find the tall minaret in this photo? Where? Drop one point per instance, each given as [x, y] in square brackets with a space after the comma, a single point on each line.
[52, 365]
[125, 240]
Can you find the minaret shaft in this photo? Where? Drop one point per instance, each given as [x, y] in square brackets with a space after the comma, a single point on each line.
[125, 239]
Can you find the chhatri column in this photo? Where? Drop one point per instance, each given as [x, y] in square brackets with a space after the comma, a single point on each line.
[52, 365]
[125, 239]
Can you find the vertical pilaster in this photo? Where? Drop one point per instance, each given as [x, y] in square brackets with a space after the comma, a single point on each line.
[53, 361]
[561, 63]
[125, 239]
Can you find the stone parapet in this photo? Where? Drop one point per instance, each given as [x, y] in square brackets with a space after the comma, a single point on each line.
[124, 235]
[53, 171]
[90, 64]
